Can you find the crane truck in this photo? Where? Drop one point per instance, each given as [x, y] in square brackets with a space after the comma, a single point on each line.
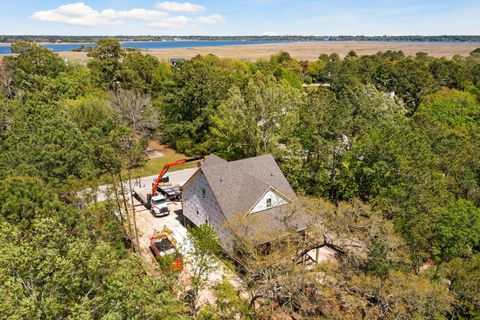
[156, 198]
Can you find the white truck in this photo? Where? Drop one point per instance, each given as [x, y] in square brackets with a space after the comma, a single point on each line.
[152, 199]
[156, 204]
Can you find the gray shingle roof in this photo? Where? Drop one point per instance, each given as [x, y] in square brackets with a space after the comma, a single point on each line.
[273, 224]
[212, 160]
[238, 185]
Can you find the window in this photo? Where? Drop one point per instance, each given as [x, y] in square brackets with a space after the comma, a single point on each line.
[269, 202]
[203, 193]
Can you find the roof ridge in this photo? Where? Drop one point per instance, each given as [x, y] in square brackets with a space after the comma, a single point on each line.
[268, 155]
[237, 185]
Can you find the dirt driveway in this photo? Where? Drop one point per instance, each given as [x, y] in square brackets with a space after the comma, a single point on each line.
[174, 223]
[148, 226]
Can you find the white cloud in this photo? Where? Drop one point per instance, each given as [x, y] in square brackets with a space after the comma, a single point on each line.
[80, 14]
[176, 22]
[180, 7]
[74, 14]
[213, 19]
[142, 14]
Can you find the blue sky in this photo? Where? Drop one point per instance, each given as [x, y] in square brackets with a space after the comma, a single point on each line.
[240, 17]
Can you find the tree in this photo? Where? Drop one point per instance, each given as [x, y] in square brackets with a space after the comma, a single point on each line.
[351, 54]
[69, 85]
[284, 67]
[32, 68]
[345, 75]
[6, 81]
[129, 154]
[361, 279]
[202, 246]
[42, 142]
[259, 120]
[475, 52]
[49, 269]
[139, 71]
[456, 230]
[453, 108]
[412, 82]
[105, 65]
[229, 303]
[5, 121]
[464, 277]
[378, 263]
[25, 199]
[162, 79]
[200, 85]
[330, 141]
[134, 110]
[52, 274]
[399, 296]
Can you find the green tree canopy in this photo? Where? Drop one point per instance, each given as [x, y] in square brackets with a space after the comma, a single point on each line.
[105, 65]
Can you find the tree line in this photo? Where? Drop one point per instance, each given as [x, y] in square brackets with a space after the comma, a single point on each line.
[80, 39]
[383, 148]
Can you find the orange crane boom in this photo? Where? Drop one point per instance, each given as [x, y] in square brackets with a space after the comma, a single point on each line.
[167, 167]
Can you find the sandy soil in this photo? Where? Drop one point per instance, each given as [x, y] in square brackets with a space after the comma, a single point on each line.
[304, 50]
[148, 226]
[154, 150]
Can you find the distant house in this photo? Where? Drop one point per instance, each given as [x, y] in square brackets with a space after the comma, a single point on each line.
[176, 61]
[250, 196]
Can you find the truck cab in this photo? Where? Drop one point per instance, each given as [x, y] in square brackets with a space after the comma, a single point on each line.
[159, 206]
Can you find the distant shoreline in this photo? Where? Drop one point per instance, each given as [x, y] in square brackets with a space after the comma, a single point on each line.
[82, 39]
[8, 44]
[309, 51]
[306, 50]
[279, 40]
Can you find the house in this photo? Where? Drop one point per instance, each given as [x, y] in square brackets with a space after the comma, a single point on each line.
[176, 61]
[249, 197]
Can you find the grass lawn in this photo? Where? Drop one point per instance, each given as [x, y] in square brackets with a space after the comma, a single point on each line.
[154, 165]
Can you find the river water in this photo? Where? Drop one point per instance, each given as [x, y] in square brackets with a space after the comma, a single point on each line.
[58, 47]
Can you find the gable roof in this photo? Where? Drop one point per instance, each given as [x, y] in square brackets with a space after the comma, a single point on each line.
[212, 160]
[238, 185]
[272, 224]
[270, 189]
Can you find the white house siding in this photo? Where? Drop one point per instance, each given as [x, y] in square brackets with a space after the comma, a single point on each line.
[261, 205]
[208, 209]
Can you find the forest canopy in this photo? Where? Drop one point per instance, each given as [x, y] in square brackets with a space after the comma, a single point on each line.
[383, 147]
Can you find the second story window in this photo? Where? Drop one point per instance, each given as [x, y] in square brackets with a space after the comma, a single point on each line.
[269, 202]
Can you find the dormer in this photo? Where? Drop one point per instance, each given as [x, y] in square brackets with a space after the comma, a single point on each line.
[270, 199]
